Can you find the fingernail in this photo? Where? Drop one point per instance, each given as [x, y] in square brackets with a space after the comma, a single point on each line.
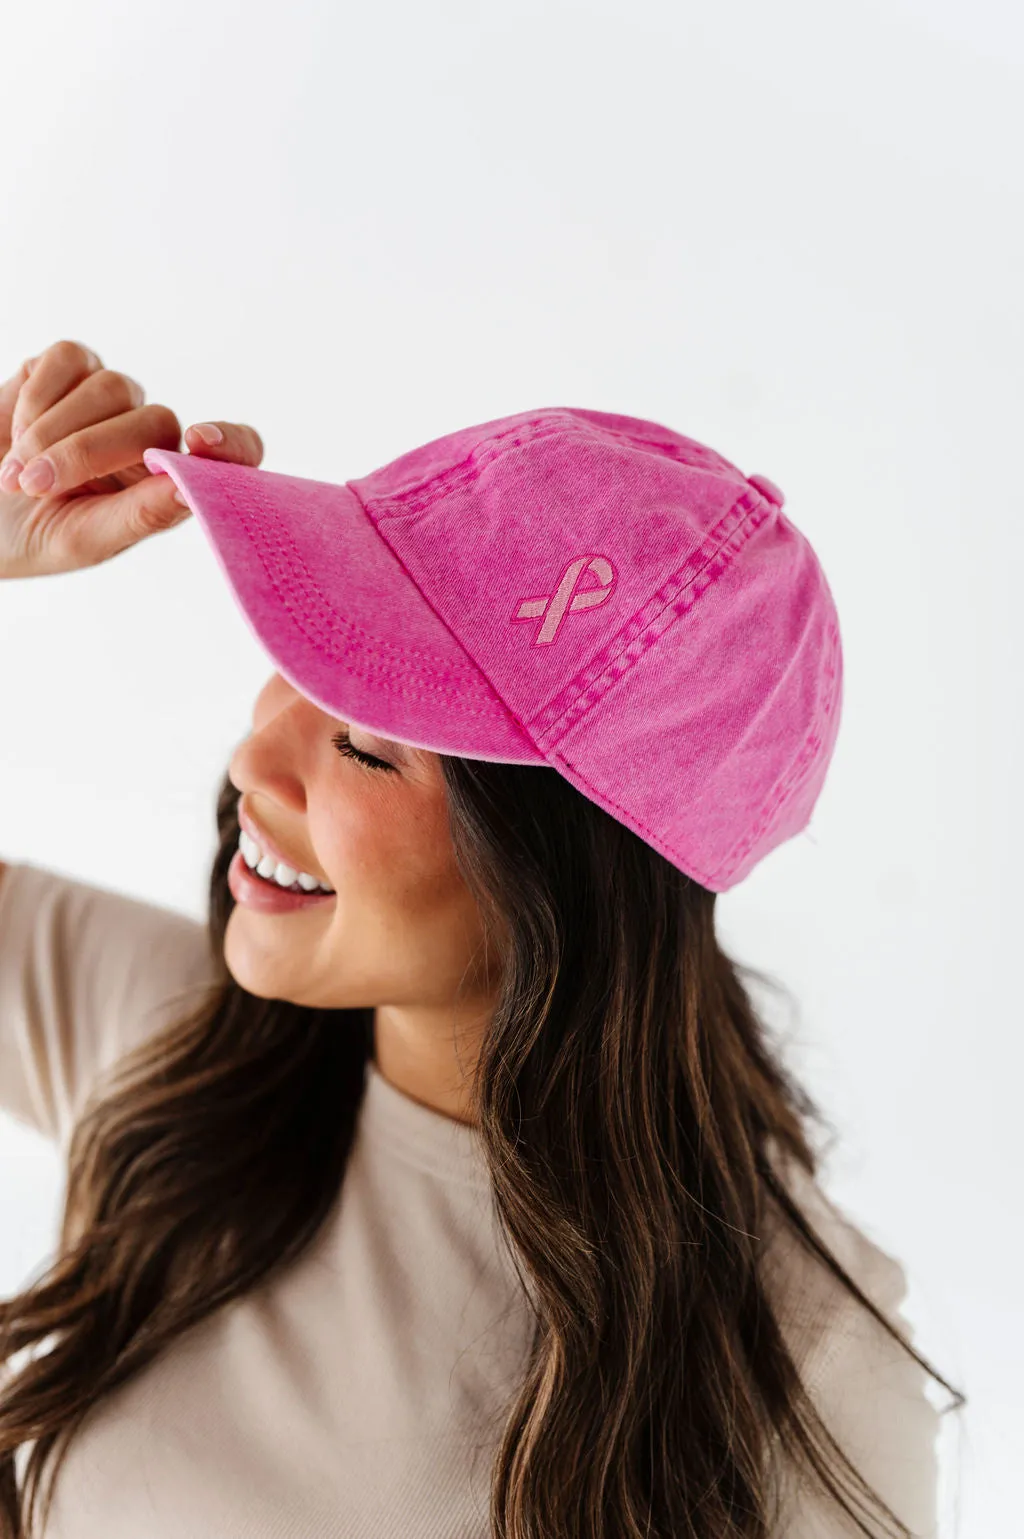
[208, 432]
[179, 498]
[9, 474]
[38, 476]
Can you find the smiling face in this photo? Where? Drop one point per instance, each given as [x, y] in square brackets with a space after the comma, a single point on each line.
[402, 931]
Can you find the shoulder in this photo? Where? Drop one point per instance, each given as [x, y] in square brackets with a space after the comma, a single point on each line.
[86, 973]
[868, 1389]
[129, 947]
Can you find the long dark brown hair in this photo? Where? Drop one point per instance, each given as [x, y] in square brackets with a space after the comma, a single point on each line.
[626, 1093]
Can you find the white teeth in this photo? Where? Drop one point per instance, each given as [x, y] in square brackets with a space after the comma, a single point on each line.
[276, 871]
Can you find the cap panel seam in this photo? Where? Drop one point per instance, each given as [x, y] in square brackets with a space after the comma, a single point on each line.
[424, 493]
[416, 499]
[786, 782]
[676, 596]
[798, 770]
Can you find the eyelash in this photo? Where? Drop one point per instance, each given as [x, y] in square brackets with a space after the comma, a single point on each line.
[347, 748]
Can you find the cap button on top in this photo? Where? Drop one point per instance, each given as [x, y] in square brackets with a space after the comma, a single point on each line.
[768, 489]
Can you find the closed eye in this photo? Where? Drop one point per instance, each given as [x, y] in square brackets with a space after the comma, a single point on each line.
[345, 746]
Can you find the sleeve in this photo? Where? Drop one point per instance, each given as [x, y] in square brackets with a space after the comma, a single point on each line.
[872, 1397]
[85, 974]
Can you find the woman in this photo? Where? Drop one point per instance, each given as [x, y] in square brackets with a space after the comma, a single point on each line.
[447, 1182]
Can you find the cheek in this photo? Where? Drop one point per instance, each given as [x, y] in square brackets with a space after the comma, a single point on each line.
[363, 831]
[391, 851]
[351, 840]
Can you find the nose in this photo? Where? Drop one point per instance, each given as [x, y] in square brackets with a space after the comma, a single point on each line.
[268, 763]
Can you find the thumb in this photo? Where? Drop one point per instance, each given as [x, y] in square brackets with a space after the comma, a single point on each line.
[105, 525]
[153, 504]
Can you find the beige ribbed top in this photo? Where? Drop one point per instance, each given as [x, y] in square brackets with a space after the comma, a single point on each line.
[360, 1395]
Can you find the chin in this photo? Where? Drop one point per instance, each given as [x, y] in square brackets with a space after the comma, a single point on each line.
[254, 970]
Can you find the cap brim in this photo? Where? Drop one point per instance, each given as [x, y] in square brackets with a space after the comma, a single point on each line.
[337, 612]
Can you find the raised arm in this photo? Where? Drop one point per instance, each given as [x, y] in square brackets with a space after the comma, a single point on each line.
[84, 971]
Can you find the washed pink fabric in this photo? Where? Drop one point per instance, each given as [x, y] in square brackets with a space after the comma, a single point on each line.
[568, 587]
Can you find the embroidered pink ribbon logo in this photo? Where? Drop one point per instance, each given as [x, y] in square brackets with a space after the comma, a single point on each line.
[553, 606]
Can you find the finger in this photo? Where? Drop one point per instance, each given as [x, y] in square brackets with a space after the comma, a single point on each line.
[240, 442]
[102, 396]
[8, 399]
[98, 527]
[101, 449]
[56, 371]
[9, 392]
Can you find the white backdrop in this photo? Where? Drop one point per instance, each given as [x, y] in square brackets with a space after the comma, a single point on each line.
[793, 231]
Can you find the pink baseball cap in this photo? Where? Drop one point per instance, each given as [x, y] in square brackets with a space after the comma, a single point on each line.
[575, 588]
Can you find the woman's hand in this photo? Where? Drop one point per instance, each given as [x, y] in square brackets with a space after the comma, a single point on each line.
[90, 423]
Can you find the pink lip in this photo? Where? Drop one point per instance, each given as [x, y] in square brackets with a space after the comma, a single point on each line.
[253, 829]
[251, 891]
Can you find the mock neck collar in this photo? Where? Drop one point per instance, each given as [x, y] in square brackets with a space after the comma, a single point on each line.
[392, 1120]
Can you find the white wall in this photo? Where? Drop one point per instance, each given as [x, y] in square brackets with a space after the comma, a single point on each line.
[793, 231]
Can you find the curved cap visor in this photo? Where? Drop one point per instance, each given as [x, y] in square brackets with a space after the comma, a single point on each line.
[338, 613]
